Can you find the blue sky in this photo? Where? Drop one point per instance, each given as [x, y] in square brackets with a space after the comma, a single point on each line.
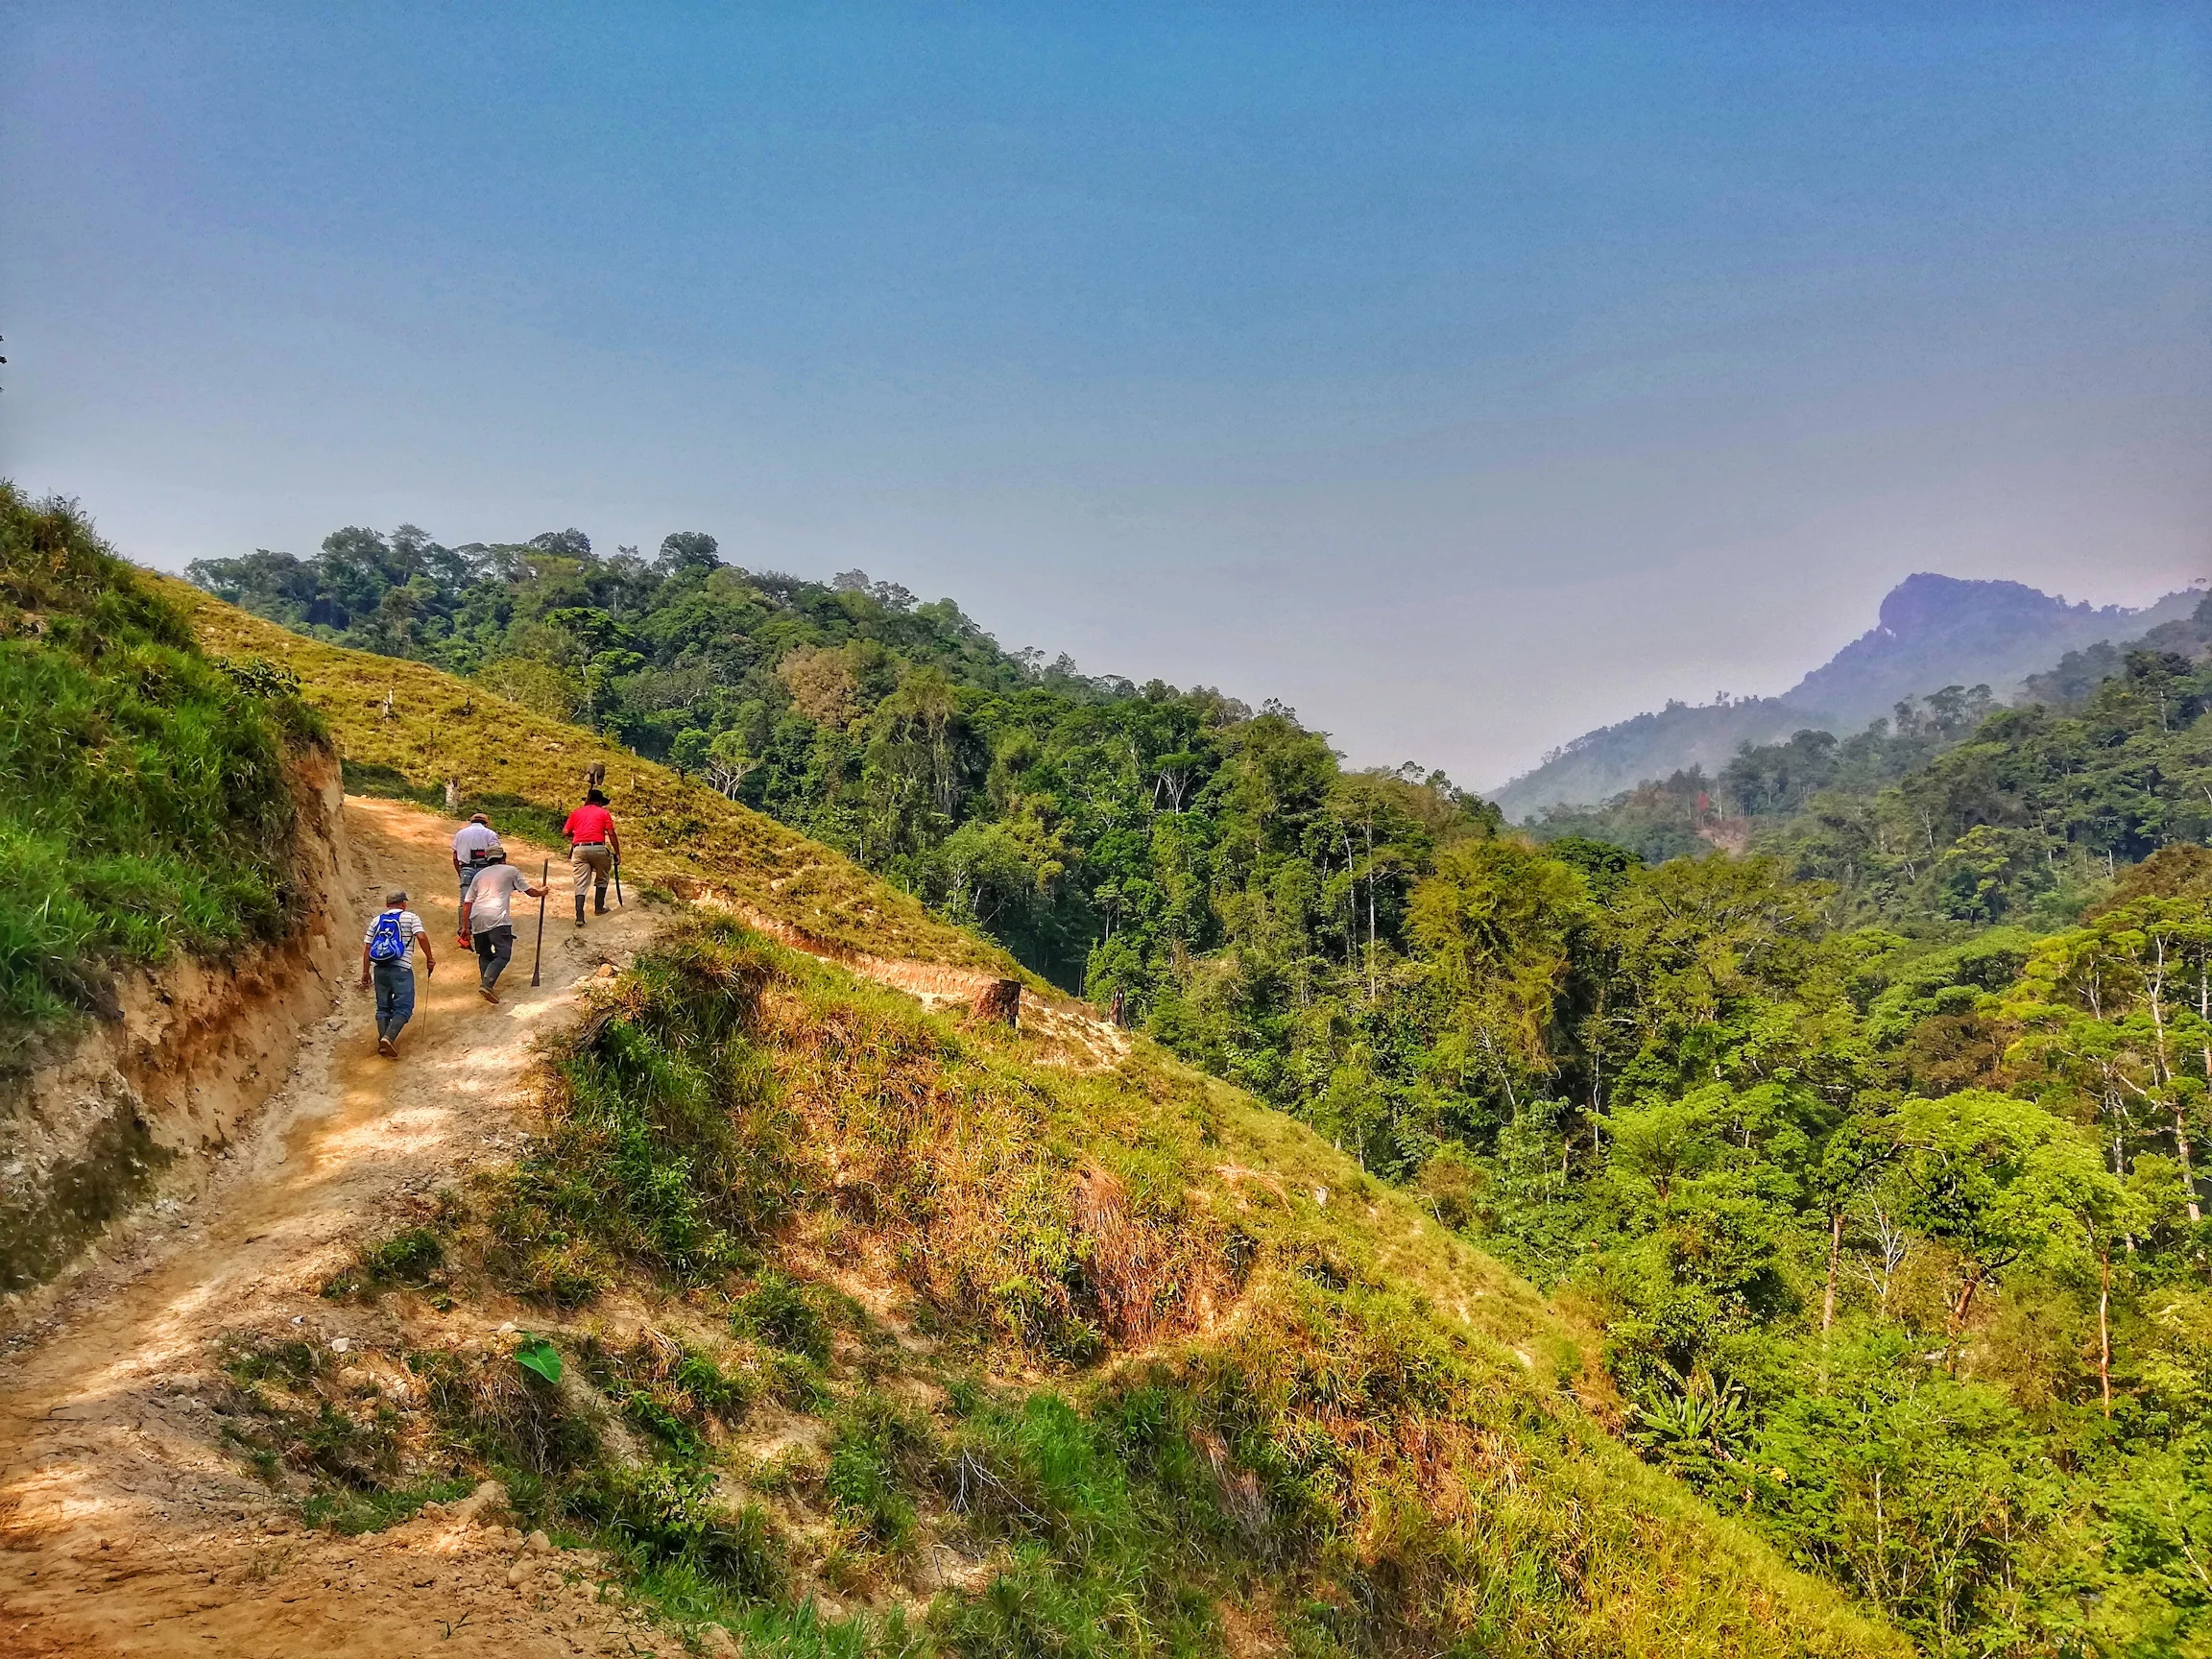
[1463, 377]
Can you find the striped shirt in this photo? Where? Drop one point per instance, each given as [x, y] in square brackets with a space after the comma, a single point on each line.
[410, 924]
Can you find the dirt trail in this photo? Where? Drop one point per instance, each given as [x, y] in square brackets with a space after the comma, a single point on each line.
[125, 1526]
[124, 1529]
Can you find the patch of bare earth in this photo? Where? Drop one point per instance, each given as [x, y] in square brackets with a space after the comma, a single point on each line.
[126, 1527]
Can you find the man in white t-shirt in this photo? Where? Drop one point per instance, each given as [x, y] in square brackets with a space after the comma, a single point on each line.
[474, 845]
[491, 923]
[387, 962]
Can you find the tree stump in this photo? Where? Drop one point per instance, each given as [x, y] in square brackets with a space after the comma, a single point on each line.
[1000, 1004]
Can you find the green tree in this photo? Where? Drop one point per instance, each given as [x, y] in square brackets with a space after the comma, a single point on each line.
[1997, 1179]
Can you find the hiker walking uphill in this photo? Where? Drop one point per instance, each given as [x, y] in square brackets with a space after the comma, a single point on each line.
[387, 953]
[491, 918]
[594, 851]
[474, 845]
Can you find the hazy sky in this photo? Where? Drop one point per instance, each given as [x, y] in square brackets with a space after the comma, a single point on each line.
[1463, 375]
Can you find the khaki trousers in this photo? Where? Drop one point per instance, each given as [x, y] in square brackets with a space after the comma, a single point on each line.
[589, 864]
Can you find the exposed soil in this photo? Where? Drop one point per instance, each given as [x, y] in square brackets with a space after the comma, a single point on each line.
[125, 1526]
[144, 1097]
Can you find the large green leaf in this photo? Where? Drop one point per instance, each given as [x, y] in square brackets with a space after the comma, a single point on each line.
[539, 1356]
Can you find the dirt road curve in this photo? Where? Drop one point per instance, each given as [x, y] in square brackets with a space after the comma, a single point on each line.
[125, 1528]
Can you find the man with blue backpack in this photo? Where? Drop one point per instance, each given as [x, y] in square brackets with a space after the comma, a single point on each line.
[387, 950]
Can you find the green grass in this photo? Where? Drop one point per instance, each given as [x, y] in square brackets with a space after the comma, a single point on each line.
[410, 1258]
[662, 1155]
[144, 808]
[350, 1512]
[672, 1391]
[1277, 1387]
[287, 1408]
[778, 1312]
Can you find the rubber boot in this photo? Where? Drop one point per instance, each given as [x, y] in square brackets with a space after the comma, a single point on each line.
[598, 901]
[579, 909]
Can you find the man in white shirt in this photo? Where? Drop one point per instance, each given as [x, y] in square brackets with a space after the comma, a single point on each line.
[491, 897]
[473, 848]
[387, 962]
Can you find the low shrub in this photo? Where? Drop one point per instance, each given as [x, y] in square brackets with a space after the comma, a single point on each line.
[410, 1259]
[777, 1311]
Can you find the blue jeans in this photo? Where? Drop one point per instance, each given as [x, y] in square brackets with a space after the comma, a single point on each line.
[394, 996]
[494, 950]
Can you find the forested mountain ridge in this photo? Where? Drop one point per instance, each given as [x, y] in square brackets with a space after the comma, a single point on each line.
[1679, 738]
[1894, 1231]
[1081, 822]
[1934, 632]
[2078, 673]
[1957, 811]
[714, 1290]
[1937, 631]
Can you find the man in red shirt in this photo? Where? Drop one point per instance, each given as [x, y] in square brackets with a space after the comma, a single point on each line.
[594, 846]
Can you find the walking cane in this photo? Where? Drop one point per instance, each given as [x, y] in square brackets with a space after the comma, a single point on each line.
[544, 886]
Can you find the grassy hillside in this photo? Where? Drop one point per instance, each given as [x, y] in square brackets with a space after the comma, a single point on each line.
[895, 1338]
[880, 1334]
[529, 769]
[143, 804]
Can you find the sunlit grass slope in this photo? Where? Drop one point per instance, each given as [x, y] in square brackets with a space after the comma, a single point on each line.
[1153, 1369]
[442, 728]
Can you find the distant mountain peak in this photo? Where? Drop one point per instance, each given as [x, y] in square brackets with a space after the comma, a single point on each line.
[1938, 630]
[1926, 601]
[1932, 631]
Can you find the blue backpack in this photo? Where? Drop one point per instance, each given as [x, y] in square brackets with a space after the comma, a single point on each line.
[385, 944]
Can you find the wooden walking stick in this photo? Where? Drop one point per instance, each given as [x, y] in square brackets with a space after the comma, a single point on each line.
[544, 886]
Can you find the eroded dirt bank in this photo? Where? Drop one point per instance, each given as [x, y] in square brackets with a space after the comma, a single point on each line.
[125, 1526]
[144, 1099]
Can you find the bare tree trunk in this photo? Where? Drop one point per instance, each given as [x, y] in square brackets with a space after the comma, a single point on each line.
[1370, 909]
[2105, 1327]
[2166, 1078]
[1835, 1259]
[1959, 1309]
[2205, 1013]
[2181, 1151]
